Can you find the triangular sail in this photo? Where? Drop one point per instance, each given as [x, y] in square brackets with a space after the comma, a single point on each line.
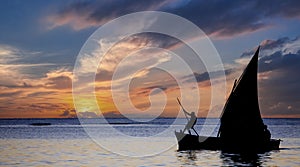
[241, 119]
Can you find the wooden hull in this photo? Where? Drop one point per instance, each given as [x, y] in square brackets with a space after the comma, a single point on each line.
[192, 142]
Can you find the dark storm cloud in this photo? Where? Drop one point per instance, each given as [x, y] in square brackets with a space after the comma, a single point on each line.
[219, 17]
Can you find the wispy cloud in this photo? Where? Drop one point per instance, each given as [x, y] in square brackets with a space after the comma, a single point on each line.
[284, 45]
[217, 18]
[27, 92]
[85, 14]
[49, 95]
[8, 54]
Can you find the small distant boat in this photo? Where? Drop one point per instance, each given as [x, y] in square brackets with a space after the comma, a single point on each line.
[242, 128]
[40, 124]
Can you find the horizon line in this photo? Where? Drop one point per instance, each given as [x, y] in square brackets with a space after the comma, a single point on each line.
[133, 118]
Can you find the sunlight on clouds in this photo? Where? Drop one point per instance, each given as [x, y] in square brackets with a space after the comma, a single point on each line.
[90, 61]
[59, 72]
[36, 83]
[25, 95]
[75, 20]
[5, 52]
[243, 61]
[264, 75]
[8, 55]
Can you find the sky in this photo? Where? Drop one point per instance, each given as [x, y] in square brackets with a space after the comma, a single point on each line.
[40, 41]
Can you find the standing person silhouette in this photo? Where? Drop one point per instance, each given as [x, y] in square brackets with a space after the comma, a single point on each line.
[191, 122]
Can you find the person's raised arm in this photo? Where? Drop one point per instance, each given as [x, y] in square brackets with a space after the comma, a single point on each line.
[186, 112]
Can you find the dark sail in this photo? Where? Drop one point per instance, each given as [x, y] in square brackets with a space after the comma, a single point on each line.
[241, 121]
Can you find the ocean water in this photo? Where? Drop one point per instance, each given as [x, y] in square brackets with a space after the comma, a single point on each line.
[69, 142]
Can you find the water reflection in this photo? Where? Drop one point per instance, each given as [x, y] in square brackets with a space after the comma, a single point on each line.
[245, 159]
[218, 158]
[187, 157]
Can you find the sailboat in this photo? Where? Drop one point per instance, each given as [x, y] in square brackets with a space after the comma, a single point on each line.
[242, 128]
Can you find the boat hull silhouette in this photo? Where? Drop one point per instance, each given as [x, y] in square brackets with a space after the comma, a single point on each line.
[193, 142]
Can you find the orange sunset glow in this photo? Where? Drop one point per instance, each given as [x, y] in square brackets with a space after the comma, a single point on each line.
[37, 59]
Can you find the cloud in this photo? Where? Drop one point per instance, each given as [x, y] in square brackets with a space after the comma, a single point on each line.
[59, 79]
[283, 45]
[8, 53]
[9, 94]
[130, 57]
[16, 68]
[279, 79]
[11, 55]
[144, 92]
[85, 14]
[112, 114]
[279, 63]
[69, 113]
[218, 18]
[223, 18]
[87, 114]
[28, 93]
[61, 82]
[39, 94]
[103, 75]
[207, 76]
[129, 46]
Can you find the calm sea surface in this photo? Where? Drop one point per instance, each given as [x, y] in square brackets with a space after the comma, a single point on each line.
[96, 143]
